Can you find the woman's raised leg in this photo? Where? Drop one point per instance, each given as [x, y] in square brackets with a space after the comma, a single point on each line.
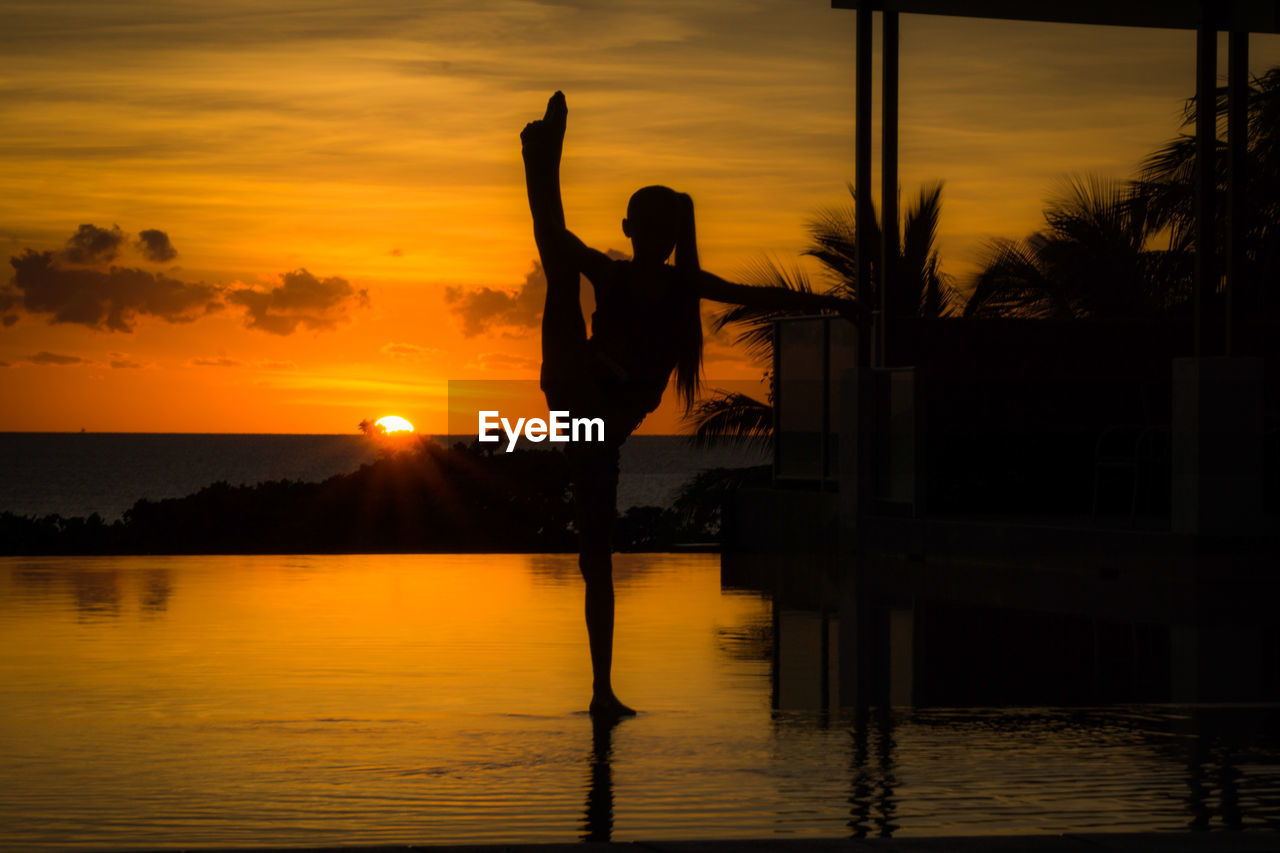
[564, 332]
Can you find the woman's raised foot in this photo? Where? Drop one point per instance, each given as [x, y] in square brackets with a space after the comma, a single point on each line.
[543, 139]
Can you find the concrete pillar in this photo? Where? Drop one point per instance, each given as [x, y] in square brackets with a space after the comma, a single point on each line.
[1184, 663]
[1217, 442]
[862, 168]
[1237, 286]
[801, 665]
[888, 174]
[861, 646]
[1216, 662]
[1206, 278]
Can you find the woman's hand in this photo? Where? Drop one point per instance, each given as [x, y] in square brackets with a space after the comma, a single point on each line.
[854, 311]
[850, 309]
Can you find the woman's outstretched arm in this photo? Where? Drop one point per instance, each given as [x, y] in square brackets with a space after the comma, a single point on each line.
[713, 287]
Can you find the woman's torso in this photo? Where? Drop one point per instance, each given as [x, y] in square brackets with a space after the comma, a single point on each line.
[635, 328]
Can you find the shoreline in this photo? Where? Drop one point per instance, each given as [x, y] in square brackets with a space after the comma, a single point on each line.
[1244, 841]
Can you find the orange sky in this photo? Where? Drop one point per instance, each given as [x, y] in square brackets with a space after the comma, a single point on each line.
[376, 148]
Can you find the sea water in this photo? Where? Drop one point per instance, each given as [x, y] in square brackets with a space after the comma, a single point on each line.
[74, 474]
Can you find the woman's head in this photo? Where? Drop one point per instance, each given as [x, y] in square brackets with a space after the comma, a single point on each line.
[659, 219]
[654, 219]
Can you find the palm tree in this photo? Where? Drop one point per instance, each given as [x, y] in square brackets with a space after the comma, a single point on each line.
[920, 288]
[1125, 250]
[1167, 184]
[1095, 258]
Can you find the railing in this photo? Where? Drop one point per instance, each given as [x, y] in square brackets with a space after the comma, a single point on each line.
[811, 357]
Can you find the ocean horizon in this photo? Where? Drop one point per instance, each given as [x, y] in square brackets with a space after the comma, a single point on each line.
[76, 474]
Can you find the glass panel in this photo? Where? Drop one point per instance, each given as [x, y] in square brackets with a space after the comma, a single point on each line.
[798, 368]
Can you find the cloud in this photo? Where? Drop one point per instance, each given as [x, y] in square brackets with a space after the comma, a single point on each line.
[506, 359]
[121, 360]
[53, 358]
[300, 299]
[268, 364]
[93, 245]
[77, 285]
[408, 352]
[105, 299]
[219, 361]
[4, 364]
[155, 246]
[486, 307]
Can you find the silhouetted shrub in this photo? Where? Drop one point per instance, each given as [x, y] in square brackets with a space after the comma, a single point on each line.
[424, 499]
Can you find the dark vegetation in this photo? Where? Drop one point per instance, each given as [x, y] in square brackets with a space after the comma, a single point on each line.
[421, 499]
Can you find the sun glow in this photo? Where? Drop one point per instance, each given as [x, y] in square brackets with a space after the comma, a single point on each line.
[392, 423]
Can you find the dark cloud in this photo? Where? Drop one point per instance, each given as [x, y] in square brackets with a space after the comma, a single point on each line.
[4, 364]
[220, 361]
[106, 299]
[155, 246]
[121, 360]
[485, 307]
[43, 357]
[93, 245]
[77, 285]
[300, 299]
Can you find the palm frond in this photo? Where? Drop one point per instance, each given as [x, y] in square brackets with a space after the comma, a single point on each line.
[732, 417]
[834, 244]
[756, 323]
[918, 287]
[1013, 283]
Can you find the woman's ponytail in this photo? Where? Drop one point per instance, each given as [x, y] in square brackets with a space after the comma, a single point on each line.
[689, 358]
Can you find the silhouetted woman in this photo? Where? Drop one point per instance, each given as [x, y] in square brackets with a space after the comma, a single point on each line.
[647, 324]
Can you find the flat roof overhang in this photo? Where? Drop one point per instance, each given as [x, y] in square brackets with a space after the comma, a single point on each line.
[1256, 16]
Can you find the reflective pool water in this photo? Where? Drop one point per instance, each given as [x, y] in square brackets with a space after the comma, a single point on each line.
[323, 700]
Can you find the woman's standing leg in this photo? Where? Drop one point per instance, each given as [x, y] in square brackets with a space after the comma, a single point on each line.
[595, 490]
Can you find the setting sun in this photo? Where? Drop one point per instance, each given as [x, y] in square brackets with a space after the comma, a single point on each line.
[392, 423]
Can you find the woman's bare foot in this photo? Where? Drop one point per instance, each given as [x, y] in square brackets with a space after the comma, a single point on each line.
[543, 139]
[609, 706]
